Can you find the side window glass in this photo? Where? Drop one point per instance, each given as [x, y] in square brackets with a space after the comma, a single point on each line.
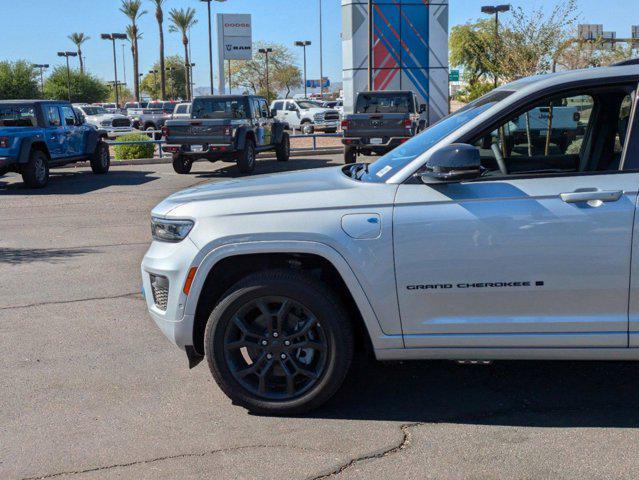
[278, 106]
[624, 124]
[290, 106]
[53, 116]
[255, 107]
[264, 109]
[69, 115]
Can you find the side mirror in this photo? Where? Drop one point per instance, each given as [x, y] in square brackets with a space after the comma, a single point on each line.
[273, 112]
[453, 163]
[423, 107]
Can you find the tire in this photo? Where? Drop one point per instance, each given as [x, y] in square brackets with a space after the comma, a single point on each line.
[181, 164]
[35, 173]
[307, 128]
[154, 136]
[246, 158]
[350, 155]
[100, 158]
[283, 149]
[323, 366]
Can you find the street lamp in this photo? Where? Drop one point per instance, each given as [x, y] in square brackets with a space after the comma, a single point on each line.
[155, 77]
[67, 55]
[189, 67]
[321, 52]
[42, 67]
[208, 6]
[170, 70]
[266, 51]
[113, 37]
[495, 10]
[304, 44]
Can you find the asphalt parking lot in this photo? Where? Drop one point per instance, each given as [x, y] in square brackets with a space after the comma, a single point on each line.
[89, 387]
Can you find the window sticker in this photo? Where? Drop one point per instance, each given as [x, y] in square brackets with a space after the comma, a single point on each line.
[384, 171]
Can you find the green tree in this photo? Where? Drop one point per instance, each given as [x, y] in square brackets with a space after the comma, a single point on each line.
[159, 16]
[85, 88]
[181, 21]
[250, 75]
[18, 80]
[78, 39]
[471, 47]
[125, 94]
[133, 10]
[175, 79]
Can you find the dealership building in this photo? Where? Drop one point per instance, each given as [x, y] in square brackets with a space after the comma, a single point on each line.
[409, 50]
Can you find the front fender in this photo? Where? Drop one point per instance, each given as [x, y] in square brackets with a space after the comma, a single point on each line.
[206, 261]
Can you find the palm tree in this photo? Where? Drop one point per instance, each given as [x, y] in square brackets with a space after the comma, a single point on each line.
[133, 10]
[79, 39]
[159, 16]
[181, 21]
[133, 38]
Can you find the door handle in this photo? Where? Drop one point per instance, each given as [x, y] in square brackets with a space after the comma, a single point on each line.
[580, 196]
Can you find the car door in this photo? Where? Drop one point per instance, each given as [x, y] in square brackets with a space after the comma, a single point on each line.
[74, 141]
[55, 131]
[292, 114]
[266, 121]
[534, 256]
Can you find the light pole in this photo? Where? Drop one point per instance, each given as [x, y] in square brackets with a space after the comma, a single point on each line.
[321, 45]
[266, 51]
[67, 55]
[124, 62]
[190, 66]
[208, 6]
[495, 10]
[113, 37]
[42, 67]
[170, 70]
[155, 77]
[304, 44]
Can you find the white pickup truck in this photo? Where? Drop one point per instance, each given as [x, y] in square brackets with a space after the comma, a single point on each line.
[441, 249]
[306, 115]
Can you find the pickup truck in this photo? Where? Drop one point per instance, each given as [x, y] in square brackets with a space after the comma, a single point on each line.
[381, 122]
[112, 123]
[437, 250]
[38, 134]
[153, 117]
[306, 115]
[225, 127]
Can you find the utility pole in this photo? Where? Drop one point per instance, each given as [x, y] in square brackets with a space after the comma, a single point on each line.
[67, 55]
[304, 44]
[113, 37]
[321, 52]
[208, 5]
[42, 67]
[494, 10]
[124, 62]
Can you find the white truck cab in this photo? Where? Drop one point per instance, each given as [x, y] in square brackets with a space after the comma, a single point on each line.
[306, 115]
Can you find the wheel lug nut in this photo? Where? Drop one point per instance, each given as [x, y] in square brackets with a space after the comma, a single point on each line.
[269, 356]
[275, 334]
[287, 342]
[283, 356]
[264, 342]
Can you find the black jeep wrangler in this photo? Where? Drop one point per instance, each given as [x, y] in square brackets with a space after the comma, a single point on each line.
[225, 127]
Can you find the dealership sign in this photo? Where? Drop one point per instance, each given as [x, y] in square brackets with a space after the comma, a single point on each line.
[235, 36]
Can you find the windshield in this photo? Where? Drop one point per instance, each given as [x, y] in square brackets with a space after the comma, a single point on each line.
[306, 104]
[17, 116]
[384, 103]
[109, 105]
[221, 108]
[93, 111]
[395, 160]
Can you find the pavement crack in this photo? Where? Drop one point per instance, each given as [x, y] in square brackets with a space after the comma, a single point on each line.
[63, 302]
[167, 457]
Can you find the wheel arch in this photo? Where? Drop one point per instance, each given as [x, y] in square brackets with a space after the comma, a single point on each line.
[28, 145]
[223, 267]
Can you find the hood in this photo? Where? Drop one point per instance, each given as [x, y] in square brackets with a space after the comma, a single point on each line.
[314, 189]
[315, 110]
[105, 116]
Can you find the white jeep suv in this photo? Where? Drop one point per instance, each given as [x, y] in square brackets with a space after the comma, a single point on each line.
[470, 241]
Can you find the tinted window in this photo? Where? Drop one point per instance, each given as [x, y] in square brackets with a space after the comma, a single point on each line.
[220, 108]
[17, 116]
[264, 108]
[278, 105]
[305, 105]
[384, 103]
[180, 109]
[53, 116]
[69, 115]
[94, 110]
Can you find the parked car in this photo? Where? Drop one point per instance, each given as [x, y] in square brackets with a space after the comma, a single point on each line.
[109, 107]
[226, 127]
[36, 135]
[182, 110]
[154, 117]
[337, 105]
[111, 123]
[306, 115]
[381, 122]
[440, 249]
[132, 107]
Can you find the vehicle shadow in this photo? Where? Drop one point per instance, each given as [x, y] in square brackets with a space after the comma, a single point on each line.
[77, 182]
[16, 256]
[230, 170]
[539, 394]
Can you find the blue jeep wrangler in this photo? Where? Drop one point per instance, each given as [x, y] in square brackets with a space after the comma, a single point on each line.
[38, 134]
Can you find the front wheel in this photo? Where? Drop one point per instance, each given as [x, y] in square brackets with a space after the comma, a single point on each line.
[279, 343]
[307, 128]
[101, 158]
[283, 149]
[246, 158]
[181, 164]
[35, 173]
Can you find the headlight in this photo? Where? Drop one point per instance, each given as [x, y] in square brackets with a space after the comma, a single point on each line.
[174, 231]
[105, 123]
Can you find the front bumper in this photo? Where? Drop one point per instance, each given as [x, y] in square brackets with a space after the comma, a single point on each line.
[115, 131]
[171, 261]
[328, 125]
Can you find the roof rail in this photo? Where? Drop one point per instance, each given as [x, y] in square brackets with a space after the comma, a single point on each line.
[623, 63]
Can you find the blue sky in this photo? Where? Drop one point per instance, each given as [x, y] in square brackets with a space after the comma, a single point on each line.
[37, 29]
